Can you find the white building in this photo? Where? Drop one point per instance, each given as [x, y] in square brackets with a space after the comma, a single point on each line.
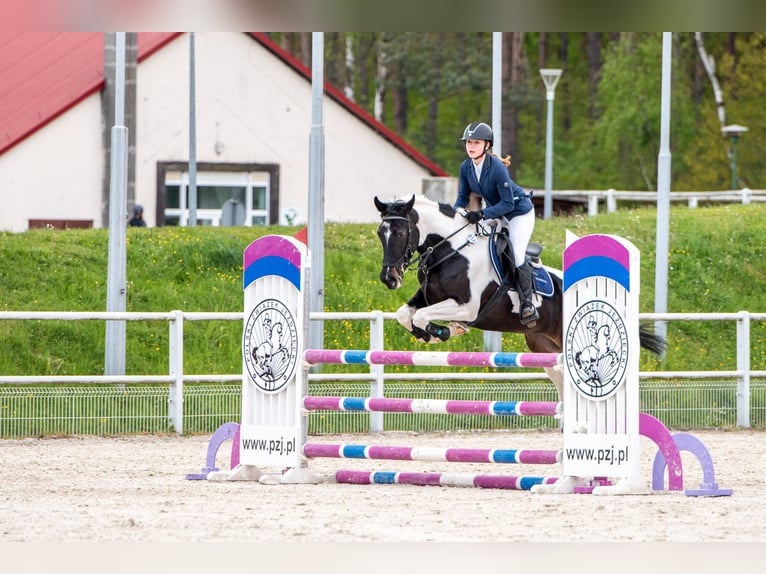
[253, 120]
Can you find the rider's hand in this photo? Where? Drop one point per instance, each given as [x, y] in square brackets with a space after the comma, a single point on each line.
[474, 216]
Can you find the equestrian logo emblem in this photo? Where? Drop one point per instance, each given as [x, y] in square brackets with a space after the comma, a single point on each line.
[597, 350]
[270, 345]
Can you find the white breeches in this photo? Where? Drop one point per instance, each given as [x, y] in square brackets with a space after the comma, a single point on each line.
[520, 230]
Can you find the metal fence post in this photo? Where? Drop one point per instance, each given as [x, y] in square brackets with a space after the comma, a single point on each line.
[743, 366]
[176, 363]
[592, 205]
[611, 201]
[376, 371]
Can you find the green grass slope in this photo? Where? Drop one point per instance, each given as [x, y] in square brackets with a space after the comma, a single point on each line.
[716, 264]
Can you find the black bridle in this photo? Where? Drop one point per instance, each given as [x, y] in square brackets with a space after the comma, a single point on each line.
[408, 258]
[405, 259]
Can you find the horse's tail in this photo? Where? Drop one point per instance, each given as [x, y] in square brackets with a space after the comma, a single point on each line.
[650, 340]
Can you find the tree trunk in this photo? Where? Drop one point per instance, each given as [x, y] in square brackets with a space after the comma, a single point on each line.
[433, 99]
[709, 64]
[513, 74]
[361, 58]
[566, 122]
[305, 39]
[380, 78]
[348, 87]
[593, 50]
[400, 97]
[542, 62]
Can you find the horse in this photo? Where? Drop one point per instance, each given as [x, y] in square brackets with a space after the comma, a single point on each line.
[462, 282]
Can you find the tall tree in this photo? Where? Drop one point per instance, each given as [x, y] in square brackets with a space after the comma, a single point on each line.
[593, 41]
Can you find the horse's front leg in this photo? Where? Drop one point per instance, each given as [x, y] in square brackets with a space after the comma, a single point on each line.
[404, 315]
[447, 310]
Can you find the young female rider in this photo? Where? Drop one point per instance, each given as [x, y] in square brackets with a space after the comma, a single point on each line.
[486, 175]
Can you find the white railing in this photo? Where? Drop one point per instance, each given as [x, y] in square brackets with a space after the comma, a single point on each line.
[176, 376]
[693, 198]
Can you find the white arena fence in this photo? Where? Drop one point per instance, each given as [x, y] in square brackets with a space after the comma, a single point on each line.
[595, 198]
[42, 405]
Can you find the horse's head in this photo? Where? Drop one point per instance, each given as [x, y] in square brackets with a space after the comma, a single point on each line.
[399, 235]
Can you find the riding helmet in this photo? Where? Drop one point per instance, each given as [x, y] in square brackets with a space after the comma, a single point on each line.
[478, 131]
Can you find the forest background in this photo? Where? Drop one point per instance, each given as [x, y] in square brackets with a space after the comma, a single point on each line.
[427, 86]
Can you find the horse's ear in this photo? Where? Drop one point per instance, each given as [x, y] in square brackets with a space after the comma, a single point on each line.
[380, 205]
[411, 202]
[447, 209]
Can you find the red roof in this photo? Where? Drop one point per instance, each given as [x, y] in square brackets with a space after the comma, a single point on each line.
[44, 74]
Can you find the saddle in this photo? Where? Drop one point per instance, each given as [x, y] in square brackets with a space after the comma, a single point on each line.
[501, 255]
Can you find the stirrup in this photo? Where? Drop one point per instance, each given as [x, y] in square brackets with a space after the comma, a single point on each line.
[528, 317]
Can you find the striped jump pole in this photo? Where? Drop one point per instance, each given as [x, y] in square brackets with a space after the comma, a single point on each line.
[432, 454]
[430, 358]
[432, 406]
[441, 479]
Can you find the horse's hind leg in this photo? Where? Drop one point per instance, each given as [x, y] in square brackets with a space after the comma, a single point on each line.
[541, 343]
[556, 375]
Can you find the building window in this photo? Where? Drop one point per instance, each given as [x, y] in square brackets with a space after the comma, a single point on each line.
[227, 194]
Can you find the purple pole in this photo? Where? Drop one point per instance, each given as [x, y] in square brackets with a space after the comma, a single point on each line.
[499, 456]
[456, 407]
[431, 358]
[441, 479]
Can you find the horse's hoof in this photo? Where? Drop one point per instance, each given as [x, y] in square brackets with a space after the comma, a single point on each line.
[457, 328]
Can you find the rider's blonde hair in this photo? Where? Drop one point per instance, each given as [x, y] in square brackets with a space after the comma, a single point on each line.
[506, 160]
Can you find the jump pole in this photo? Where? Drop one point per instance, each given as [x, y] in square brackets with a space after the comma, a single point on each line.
[600, 427]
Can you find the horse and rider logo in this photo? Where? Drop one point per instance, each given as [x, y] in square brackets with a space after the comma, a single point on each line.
[596, 350]
[270, 345]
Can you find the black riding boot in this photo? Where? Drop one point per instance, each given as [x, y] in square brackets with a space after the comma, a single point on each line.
[528, 313]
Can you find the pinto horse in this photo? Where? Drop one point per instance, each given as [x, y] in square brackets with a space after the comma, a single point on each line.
[461, 284]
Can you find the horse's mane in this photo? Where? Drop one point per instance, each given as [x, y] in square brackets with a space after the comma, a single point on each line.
[423, 202]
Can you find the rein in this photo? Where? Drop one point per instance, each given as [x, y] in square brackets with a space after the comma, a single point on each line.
[408, 258]
[422, 258]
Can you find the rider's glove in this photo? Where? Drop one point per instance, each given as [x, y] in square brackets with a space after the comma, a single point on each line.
[474, 216]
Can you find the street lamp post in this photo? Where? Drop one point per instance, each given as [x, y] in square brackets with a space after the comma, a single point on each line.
[550, 79]
[733, 132]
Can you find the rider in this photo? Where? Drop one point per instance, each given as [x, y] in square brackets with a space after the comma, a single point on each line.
[485, 174]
